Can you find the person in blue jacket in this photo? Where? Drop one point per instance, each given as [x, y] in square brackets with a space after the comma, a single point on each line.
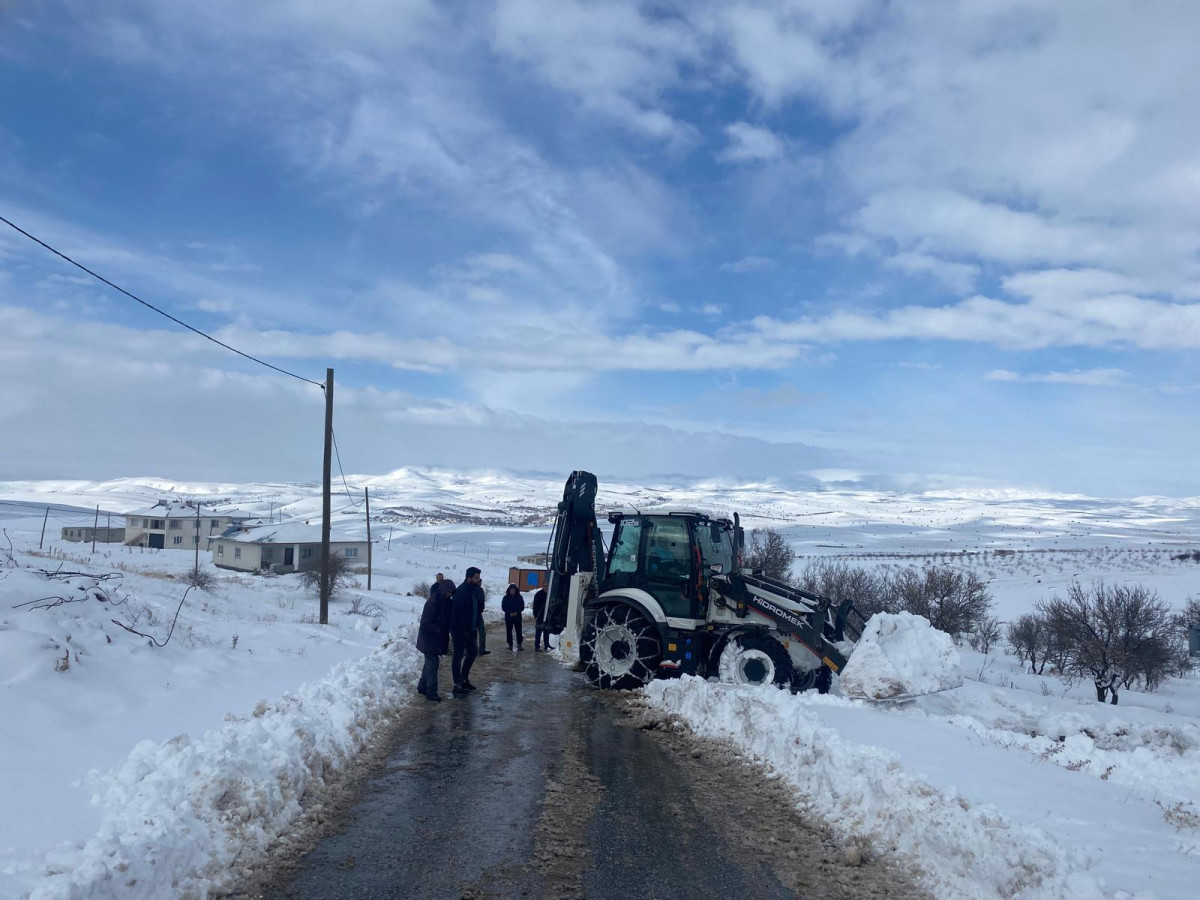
[465, 618]
[512, 605]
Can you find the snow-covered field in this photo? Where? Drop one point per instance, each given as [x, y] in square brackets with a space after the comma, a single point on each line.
[165, 765]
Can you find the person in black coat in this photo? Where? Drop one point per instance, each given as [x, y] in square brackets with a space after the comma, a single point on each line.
[539, 613]
[512, 605]
[464, 620]
[431, 641]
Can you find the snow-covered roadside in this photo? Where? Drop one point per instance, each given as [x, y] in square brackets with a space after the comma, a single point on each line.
[178, 814]
[964, 849]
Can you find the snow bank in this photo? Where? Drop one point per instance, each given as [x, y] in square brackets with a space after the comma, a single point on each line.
[964, 850]
[178, 814]
[901, 655]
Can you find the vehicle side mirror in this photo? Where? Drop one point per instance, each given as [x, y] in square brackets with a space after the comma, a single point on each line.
[717, 568]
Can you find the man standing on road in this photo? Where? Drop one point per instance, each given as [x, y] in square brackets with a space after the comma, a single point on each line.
[539, 613]
[464, 622]
[483, 650]
[433, 636]
[512, 606]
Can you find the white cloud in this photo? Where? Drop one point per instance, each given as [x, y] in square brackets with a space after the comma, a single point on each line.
[1096, 322]
[615, 58]
[959, 277]
[750, 143]
[1083, 377]
[747, 264]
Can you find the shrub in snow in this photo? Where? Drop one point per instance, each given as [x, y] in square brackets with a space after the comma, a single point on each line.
[340, 575]
[200, 578]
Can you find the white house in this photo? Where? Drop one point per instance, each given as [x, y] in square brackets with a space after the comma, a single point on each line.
[289, 547]
[174, 526]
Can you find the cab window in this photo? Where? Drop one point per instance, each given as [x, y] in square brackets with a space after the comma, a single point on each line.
[716, 546]
[668, 551]
[627, 540]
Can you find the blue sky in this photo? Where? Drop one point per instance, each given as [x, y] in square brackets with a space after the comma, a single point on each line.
[917, 245]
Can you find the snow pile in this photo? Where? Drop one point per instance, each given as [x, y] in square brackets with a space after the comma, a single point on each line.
[901, 655]
[965, 850]
[178, 814]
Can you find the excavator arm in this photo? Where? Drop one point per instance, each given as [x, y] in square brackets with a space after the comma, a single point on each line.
[576, 546]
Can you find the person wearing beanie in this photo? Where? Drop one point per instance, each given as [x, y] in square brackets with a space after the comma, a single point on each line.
[512, 606]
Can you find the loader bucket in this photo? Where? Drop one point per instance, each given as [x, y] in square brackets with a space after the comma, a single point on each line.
[900, 656]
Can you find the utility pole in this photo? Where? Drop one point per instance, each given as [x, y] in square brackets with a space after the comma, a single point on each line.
[389, 534]
[44, 518]
[325, 506]
[197, 537]
[367, 496]
[95, 525]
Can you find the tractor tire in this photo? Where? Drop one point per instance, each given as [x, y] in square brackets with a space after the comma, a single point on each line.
[824, 679]
[805, 680]
[755, 657]
[621, 648]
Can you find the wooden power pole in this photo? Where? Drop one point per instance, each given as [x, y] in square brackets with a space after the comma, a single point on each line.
[95, 527]
[43, 537]
[325, 506]
[197, 537]
[367, 496]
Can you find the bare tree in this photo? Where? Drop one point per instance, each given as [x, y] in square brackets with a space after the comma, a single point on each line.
[1117, 635]
[1029, 639]
[953, 601]
[840, 581]
[771, 554]
[986, 634]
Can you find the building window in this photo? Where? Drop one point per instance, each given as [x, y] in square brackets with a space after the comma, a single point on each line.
[350, 552]
[195, 538]
[306, 552]
[220, 549]
[176, 524]
[176, 540]
[237, 552]
[216, 523]
[195, 524]
[156, 523]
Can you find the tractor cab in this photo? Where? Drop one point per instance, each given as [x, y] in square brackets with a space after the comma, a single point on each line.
[671, 555]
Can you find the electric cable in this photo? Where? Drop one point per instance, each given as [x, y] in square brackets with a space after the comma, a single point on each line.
[132, 296]
[338, 454]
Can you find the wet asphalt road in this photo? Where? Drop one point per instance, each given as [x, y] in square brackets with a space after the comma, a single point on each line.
[531, 787]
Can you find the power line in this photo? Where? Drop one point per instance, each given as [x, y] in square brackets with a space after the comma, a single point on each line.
[343, 471]
[131, 296]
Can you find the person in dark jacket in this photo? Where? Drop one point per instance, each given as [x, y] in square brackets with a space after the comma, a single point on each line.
[480, 628]
[433, 636]
[512, 605]
[539, 613]
[464, 620]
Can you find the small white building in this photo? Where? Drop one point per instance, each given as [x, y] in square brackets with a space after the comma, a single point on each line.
[289, 547]
[175, 526]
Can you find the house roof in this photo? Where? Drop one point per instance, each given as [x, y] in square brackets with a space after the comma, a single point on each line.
[183, 511]
[287, 533]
